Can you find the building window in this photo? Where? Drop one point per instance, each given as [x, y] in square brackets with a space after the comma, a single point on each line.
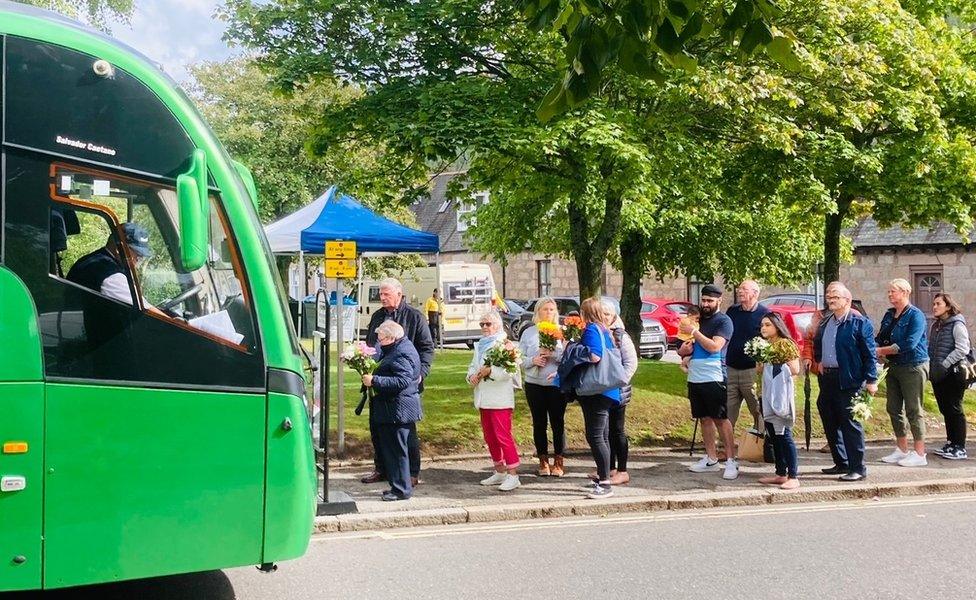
[694, 289]
[543, 270]
[467, 208]
[926, 283]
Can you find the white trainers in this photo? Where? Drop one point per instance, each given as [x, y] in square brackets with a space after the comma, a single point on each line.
[495, 479]
[731, 469]
[896, 456]
[705, 465]
[913, 459]
[511, 482]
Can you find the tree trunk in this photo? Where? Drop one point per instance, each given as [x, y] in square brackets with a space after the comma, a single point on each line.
[833, 223]
[283, 263]
[632, 264]
[590, 247]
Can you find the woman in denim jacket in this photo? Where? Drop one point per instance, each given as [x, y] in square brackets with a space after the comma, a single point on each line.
[903, 344]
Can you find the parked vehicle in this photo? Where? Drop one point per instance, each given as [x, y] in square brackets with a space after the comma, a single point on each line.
[801, 301]
[511, 316]
[467, 290]
[653, 341]
[162, 428]
[669, 312]
[797, 320]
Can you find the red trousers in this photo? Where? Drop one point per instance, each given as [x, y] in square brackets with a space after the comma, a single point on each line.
[496, 424]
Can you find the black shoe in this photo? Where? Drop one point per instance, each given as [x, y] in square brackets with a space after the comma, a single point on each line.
[834, 470]
[852, 477]
[390, 496]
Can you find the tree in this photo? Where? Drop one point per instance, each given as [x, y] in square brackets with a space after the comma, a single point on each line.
[96, 12]
[879, 120]
[457, 80]
[269, 131]
[636, 36]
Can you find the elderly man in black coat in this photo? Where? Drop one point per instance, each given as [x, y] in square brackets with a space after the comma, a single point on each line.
[415, 329]
[396, 405]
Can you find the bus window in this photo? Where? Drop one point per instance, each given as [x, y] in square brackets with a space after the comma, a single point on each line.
[183, 328]
[210, 299]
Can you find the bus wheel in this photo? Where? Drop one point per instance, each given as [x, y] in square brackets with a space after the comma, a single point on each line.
[469, 344]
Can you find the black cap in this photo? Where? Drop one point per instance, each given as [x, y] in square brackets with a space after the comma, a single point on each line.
[712, 291]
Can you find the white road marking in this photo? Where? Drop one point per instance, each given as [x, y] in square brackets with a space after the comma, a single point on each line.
[714, 513]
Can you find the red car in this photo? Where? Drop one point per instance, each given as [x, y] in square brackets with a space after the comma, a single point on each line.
[668, 312]
[797, 319]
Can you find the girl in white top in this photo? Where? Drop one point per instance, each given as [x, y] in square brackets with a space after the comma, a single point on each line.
[779, 406]
[547, 403]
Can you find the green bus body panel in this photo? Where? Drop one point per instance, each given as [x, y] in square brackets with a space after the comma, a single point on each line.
[272, 320]
[21, 420]
[292, 484]
[147, 482]
[20, 339]
[22, 407]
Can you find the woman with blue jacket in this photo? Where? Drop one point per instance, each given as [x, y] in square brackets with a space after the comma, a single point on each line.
[396, 404]
[595, 341]
[902, 342]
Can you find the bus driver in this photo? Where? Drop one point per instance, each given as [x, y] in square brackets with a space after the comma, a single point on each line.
[102, 270]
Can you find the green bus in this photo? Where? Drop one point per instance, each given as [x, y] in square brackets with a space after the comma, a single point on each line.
[152, 399]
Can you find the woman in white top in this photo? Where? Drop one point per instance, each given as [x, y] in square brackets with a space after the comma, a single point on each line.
[546, 402]
[494, 397]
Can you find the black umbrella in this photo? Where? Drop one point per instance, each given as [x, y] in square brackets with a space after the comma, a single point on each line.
[694, 434]
[806, 405]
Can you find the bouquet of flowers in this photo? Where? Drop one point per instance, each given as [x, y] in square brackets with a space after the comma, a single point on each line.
[549, 335]
[757, 349]
[861, 408]
[573, 327]
[359, 357]
[782, 351]
[503, 354]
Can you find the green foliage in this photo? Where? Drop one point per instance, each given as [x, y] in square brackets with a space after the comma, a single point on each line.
[879, 120]
[95, 12]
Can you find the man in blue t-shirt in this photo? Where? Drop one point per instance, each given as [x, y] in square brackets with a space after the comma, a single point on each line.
[707, 380]
[746, 317]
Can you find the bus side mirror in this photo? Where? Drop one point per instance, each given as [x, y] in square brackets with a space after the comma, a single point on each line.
[248, 180]
[191, 193]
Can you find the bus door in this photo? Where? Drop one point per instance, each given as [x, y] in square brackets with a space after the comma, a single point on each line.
[21, 436]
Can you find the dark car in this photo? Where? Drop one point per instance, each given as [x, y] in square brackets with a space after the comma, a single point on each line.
[512, 315]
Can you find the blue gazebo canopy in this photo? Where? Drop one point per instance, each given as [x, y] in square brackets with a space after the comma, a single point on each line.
[335, 216]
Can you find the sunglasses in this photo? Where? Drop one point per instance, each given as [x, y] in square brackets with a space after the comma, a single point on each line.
[486, 323]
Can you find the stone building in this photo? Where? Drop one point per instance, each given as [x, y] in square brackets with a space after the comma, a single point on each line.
[932, 260]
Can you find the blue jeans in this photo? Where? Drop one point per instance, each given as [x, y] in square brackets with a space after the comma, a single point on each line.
[784, 451]
[844, 434]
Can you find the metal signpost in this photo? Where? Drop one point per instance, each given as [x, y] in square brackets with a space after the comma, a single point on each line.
[340, 263]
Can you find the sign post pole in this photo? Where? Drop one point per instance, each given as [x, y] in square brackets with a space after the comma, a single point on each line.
[340, 264]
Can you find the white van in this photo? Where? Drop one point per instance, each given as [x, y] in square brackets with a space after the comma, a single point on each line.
[467, 290]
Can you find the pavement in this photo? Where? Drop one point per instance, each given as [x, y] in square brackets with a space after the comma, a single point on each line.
[660, 481]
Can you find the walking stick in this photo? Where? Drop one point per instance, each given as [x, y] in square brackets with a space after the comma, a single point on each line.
[694, 434]
[806, 406]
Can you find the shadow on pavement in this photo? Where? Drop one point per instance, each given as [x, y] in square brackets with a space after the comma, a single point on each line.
[212, 585]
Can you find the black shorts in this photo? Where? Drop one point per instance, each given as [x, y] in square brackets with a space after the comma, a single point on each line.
[708, 400]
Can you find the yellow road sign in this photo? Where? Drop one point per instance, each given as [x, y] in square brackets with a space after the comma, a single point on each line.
[340, 250]
[340, 268]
